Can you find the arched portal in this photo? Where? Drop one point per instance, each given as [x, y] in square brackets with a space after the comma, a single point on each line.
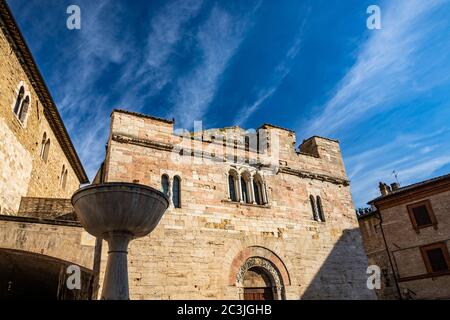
[32, 276]
[258, 285]
[258, 279]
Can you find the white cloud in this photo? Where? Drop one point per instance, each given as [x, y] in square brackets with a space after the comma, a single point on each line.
[385, 69]
[218, 40]
[404, 155]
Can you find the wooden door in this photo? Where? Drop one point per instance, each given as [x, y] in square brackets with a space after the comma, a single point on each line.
[258, 294]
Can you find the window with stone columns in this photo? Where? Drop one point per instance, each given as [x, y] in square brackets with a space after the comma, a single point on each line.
[259, 190]
[45, 149]
[22, 104]
[245, 188]
[232, 186]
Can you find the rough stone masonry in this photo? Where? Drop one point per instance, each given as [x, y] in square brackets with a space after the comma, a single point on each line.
[245, 224]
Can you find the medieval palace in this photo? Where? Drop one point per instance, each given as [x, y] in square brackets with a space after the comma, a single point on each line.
[252, 215]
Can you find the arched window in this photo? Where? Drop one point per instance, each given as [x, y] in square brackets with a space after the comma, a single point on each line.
[313, 208]
[320, 209]
[245, 195]
[232, 187]
[24, 109]
[176, 192]
[165, 184]
[258, 187]
[19, 100]
[46, 150]
[44, 140]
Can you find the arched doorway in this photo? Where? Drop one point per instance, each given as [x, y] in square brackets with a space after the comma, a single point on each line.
[31, 276]
[258, 279]
[257, 285]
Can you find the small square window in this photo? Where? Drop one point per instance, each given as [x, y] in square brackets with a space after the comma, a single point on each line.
[436, 258]
[421, 215]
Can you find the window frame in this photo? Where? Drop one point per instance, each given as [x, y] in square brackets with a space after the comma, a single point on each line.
[320, 212]
[312, 202]
[165, 178]
[22, 95]
[430, 211]
[176, 181]
[426, 260]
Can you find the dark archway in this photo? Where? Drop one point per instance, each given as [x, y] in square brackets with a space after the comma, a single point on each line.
[26, 275]
[258, 285]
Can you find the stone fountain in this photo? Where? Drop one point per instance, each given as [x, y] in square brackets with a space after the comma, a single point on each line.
[118, 213]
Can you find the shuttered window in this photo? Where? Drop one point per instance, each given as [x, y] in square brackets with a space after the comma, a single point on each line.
[421, 215]
[436, 258]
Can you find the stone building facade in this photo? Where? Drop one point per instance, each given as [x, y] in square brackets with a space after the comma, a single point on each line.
[39, 171]
[37, 158]
[408, 236]
[251, 216]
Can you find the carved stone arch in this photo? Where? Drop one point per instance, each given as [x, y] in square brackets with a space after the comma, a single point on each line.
[263, 258]
[276, 282]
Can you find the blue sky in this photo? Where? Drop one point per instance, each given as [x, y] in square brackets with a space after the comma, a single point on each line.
[312, 66]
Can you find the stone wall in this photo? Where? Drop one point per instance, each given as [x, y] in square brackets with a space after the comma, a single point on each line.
[194, 252]
[45, 207]
[64, 242]
[404, 245]
[22, 171]
[377, 255]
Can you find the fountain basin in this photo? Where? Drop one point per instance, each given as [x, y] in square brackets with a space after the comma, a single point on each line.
[118, 213]
[125, 207]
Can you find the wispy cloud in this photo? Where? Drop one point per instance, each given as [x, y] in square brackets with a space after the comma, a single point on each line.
[218, 40]
[385, 69]
[151, 70]
[413, 157]
[282, 70]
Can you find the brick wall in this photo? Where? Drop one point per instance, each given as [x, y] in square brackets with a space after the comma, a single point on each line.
[404, 245]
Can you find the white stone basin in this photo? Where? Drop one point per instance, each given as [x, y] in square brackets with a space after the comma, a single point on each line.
[125, 207]
[118, 213]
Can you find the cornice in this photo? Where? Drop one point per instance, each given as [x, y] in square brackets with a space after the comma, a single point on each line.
[314, 176]
[169, 147]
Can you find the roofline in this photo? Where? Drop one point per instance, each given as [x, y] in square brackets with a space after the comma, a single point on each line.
[324, 138]
[411, 188]
[276, 127]
[37, 81]
[142, 115]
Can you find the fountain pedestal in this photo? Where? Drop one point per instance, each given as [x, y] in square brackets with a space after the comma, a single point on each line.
[118, 213]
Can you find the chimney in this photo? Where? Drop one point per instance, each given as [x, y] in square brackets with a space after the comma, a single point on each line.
[384, 189]
[395, 186]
